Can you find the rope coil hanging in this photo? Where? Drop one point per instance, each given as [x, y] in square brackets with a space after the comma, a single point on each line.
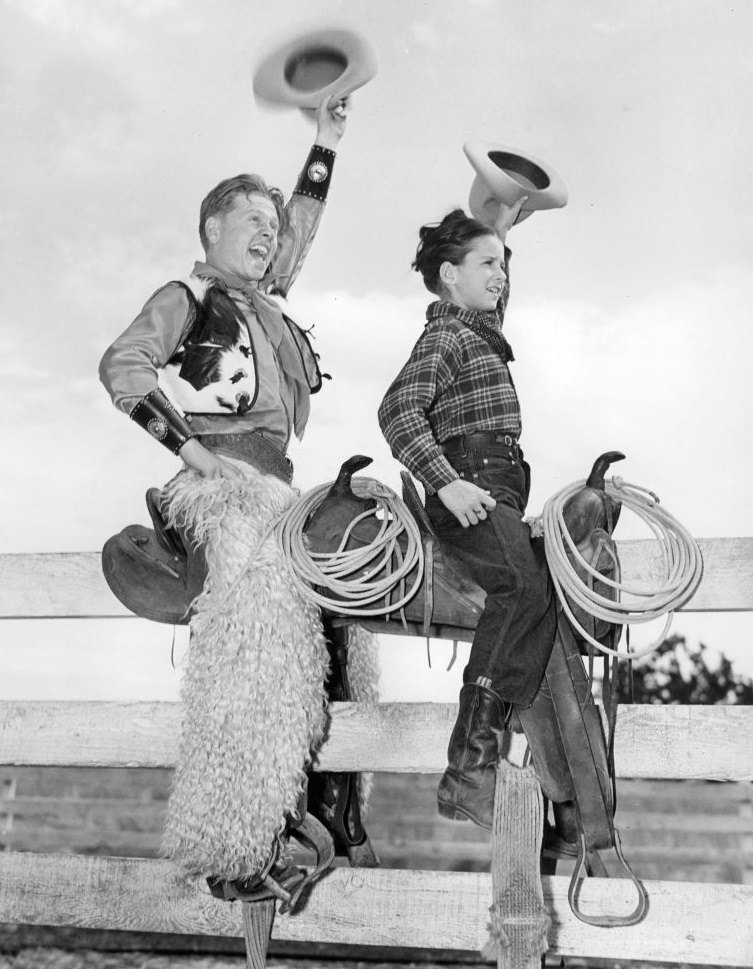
[681, 567]
[370, 579]
[359, 577]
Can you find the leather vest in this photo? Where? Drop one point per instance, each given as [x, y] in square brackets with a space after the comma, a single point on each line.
[215, 371]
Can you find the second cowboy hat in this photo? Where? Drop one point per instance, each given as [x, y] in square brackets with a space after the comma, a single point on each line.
[306, 68]
[504, 174]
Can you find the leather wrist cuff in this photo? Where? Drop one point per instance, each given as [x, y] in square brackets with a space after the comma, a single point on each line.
[317, 173]
[157, 415]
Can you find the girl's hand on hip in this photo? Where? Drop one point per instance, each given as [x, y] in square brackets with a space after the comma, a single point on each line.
[467, 502]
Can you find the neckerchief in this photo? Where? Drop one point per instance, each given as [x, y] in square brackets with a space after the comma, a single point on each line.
[485, 325]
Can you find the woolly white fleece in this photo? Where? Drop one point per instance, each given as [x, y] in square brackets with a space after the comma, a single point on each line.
[253, 691]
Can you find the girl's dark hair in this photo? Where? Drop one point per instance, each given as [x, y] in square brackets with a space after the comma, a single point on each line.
[449, 241]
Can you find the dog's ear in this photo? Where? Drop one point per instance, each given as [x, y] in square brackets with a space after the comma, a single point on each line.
[220, 321]
[200, 365]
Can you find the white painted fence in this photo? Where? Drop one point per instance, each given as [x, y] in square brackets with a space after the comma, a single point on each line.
[702, 924]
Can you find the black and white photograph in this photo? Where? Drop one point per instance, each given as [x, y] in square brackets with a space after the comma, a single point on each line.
[376, 548]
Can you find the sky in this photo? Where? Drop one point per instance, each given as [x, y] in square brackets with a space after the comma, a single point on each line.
[630, 307]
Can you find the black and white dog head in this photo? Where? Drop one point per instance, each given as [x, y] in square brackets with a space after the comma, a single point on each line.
[214, 372]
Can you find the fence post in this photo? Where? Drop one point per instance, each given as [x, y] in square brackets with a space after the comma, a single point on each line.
[746, 845]
[7, 798]
[257, 928]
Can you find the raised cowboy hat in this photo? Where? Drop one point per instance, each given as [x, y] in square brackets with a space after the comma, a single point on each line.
[504, 174]
[306, 68]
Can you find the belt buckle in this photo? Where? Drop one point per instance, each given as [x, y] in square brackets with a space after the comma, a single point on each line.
[507, 439]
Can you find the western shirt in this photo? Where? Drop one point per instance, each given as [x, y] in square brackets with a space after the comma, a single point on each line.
[453, 383]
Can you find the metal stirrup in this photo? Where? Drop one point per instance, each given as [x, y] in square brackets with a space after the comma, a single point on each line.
[284, 883]
[605, 921]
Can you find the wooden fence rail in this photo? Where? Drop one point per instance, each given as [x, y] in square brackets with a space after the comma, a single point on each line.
[689, 923]
[69, 585]
[694, 830]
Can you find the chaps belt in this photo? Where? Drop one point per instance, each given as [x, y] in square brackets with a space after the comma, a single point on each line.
[252, 448]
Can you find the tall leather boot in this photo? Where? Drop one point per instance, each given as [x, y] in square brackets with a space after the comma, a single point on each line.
[333, 798]
[466, 791]
[562, 839]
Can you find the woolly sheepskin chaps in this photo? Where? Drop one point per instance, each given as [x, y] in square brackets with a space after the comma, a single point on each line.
[253, 691]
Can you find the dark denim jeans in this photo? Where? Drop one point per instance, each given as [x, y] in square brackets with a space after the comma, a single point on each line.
[514, 636]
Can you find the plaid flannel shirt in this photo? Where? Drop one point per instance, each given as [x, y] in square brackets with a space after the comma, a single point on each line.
[453, 383]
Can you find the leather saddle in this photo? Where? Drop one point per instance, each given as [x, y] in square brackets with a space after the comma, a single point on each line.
[155, 572]
[449, 602]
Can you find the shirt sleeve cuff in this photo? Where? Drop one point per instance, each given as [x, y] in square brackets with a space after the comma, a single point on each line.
[438, 473]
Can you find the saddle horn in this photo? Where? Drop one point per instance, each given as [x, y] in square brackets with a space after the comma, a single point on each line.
[601, 466]
[342, 486]
[338, 508]
[591, 507]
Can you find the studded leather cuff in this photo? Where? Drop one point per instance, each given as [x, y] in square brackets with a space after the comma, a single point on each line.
[317, 173]
[157, 415]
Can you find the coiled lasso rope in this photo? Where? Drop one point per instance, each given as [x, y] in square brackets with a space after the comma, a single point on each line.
[359, 577]
[681, 567]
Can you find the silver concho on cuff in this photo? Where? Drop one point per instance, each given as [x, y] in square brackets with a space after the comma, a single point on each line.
[317, 171]
[157, 427]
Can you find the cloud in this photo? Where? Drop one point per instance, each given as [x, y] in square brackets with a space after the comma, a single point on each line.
[426, 34]
[93, 24]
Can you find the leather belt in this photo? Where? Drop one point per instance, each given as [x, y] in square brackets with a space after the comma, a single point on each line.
[251, 447]
[480, 440]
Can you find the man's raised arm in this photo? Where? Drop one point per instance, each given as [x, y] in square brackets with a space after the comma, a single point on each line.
[306, 206]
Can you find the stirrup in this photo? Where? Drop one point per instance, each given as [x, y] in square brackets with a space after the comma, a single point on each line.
[605, 921]
[280, 880]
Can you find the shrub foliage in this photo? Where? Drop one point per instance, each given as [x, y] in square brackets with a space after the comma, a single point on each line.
[678, 673]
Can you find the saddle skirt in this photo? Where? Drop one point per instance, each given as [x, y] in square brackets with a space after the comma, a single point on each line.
[150, 571]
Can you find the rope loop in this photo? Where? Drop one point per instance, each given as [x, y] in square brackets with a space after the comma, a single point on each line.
[361, 581]
[679, 568]
[362, 576]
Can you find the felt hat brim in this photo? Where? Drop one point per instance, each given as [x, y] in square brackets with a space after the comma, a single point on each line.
[306, 69]
[504, 175]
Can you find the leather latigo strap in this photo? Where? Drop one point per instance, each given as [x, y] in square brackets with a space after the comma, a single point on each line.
[159, 418]
[316, 176]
